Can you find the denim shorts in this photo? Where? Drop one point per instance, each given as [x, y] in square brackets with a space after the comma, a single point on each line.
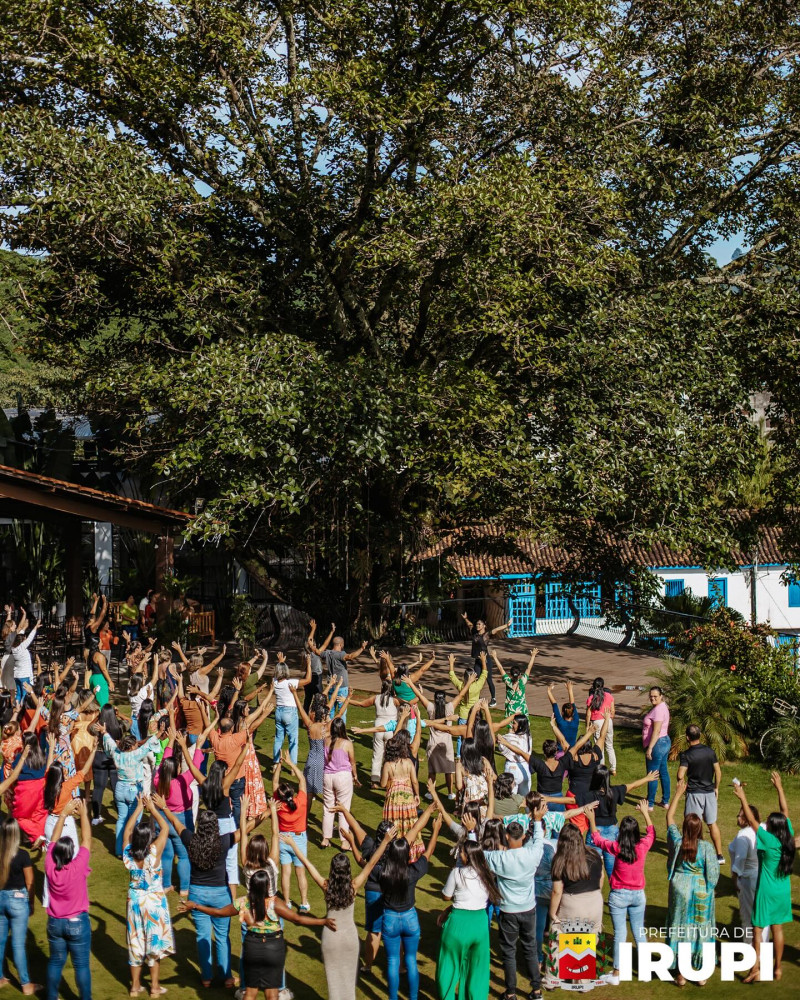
[373, 908]
[287, 855]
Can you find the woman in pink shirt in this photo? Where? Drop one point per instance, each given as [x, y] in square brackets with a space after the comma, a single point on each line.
[657, 744]
[626, 901]
[598, 702]
[68, 929]
[176, 784]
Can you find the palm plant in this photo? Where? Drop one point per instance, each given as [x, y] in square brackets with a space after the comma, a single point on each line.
[781, 745]
[709, 698]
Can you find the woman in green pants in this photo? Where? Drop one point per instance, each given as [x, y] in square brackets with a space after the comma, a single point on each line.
[464, 949]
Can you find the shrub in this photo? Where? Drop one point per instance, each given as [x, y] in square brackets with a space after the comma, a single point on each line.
[710, 698]
[781, 746]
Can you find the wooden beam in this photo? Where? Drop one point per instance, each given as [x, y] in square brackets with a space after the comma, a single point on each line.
[86, 510]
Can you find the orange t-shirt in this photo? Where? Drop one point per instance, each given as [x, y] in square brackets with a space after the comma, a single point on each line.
[227, 746]
[68, 786]
[293, 822]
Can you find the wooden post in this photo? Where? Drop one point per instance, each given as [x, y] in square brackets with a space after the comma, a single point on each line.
[165, 566]
[72, 572]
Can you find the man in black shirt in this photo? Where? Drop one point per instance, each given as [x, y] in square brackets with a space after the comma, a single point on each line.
[700, 768]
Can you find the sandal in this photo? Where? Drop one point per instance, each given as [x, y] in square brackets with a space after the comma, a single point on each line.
[159, 992]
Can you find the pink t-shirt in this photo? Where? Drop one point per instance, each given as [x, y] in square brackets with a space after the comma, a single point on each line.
[180, 795]
[658, 713]
[69, 895]
[626, 875]
[608, 701]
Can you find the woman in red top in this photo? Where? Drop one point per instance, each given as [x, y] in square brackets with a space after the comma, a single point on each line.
[597, 704]
[627, 900]
[292, 815]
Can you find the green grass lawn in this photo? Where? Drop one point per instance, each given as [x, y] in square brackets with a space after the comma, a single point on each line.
[305, 974]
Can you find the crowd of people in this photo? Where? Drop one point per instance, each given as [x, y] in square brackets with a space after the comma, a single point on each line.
[532, 844]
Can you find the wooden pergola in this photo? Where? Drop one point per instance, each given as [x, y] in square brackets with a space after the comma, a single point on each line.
[31, 497]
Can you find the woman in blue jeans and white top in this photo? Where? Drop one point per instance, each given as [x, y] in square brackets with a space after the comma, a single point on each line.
[17, 898]
[626, 900]
[287, 720]
[398, 881]
[657, 744]
[129, 760]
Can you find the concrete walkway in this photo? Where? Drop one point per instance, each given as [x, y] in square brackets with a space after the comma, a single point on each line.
[560, 657]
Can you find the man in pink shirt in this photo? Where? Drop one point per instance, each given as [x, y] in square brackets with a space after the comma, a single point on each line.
[68, 929]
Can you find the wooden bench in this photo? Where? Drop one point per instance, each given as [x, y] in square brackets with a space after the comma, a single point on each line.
[201, 625]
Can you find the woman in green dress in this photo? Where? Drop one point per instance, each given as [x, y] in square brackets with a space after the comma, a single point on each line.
[693, 874]
[773, 902]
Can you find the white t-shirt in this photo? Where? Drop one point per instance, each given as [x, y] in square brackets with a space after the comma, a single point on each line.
[145, 692]
[465, 888]
[524, 742]
[23, 664]
[744, 858]
[200, 681]
[143, 604]
[283, 696]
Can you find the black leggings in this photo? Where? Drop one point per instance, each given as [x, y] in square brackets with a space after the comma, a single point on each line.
[102, 777]
[315, 687]
[489, 675]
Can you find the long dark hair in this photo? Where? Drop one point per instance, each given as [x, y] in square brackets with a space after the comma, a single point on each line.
[239, 713]
[108, 718]
[338, 731]
[146, 712]
[204, 848]
[394, 869]
[600, 782]
[53, 781]
[523, 728]
[778, 826]
[141, 839]
[167, 773]
[387, 693]
[227, 696]
[63, 852]
[211, 791]
[628, 839]
[319, 708]
[549, 749]
[597, 693]
[692, 834]
[484, 740]
[471, 757]
[494, 835]
[257, 894]
[339, 891]
[398, 747]
[56, 711]
[572, 858]
[440, 704]
[504, 786]
[472, 857]
[37, 758]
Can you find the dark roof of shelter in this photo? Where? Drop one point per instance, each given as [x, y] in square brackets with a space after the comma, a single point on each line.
[469, 552]
[28, 494]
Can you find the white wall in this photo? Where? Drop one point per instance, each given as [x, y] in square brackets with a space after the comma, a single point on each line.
[772, 596]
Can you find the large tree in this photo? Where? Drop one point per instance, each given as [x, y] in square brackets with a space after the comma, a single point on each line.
[360, 269]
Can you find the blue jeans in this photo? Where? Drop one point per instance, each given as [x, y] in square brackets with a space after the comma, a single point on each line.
[216, 897]
[542, 910]
[401, 930]
[237, 791]
[659, 763]
[341, 695]
[14, 914]
[608, 833]
[286, 724]
[69, 936]
[630, 904]
[125, 795]
[174, 848]
[20, 690]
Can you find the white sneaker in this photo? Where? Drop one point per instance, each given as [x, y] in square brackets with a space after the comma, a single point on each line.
[610, 979]
[98, 821]
[452, 796]
[239, 994]
[285, 994]
[428, 796]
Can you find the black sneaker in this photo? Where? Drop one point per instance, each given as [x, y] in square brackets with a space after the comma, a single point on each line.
[536, 995]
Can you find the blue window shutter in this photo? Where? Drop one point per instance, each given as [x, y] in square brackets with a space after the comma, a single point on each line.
[794, 594]
[673, 588]
[718, 591]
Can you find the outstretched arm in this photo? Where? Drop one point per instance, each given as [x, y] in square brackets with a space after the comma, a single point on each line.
[366, 871]
[233, 772]
[502, 628]
[300, 710]
[777, 784]
[312, 871]
[416, 674]
[301, 778]
[531, 661]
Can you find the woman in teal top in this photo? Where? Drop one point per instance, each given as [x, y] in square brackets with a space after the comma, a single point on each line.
[402, 675]
[773, 903]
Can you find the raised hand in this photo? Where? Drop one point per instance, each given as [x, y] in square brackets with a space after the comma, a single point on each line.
[643, 807]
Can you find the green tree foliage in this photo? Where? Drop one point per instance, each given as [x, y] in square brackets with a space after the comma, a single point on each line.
[377, 267]
[710, 698]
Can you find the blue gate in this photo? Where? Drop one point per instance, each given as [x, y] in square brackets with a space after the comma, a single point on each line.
[522, 609]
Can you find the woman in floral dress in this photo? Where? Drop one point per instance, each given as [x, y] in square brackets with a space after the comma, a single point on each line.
[150, 936]
[693, 874]
[251, 769]
[399, 778]
[60, 725]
